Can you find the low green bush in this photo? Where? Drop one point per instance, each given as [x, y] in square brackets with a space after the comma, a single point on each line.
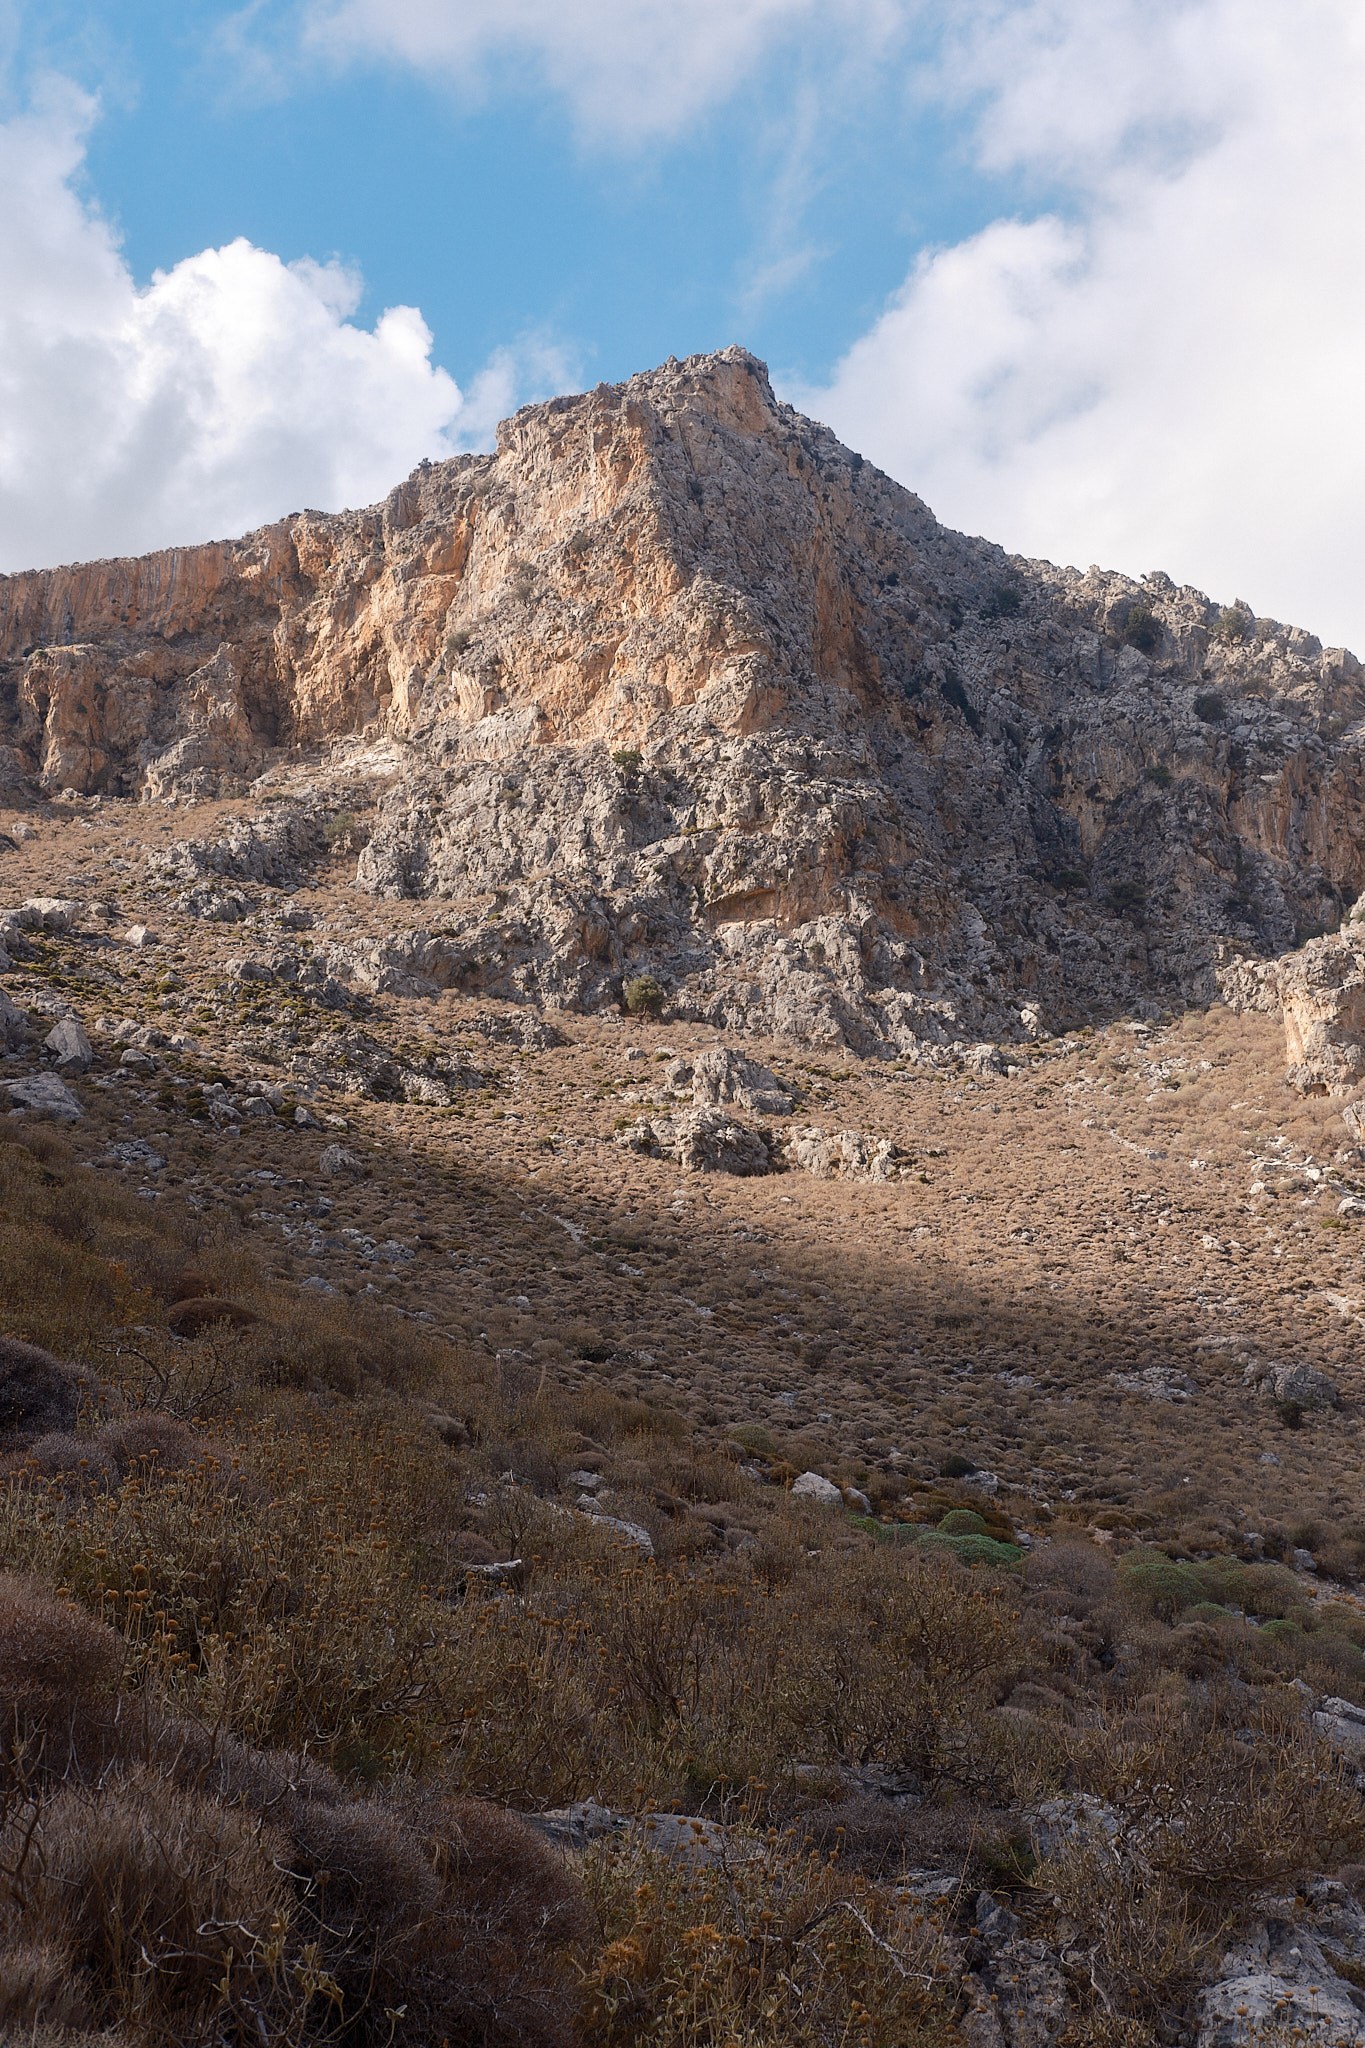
[962, 1522]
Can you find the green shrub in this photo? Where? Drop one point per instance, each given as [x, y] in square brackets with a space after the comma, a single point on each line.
[962, 1522]
[1125, 897]
[628, 759]
[1005, 602]
[1209, 706]
[1233, 625]
[967, 1549]
[643, 995]
[1141, 628]
[956, 1466]
[752, 1436]
[1164, 1587]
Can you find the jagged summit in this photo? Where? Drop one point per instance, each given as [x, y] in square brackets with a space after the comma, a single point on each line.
[676, 684]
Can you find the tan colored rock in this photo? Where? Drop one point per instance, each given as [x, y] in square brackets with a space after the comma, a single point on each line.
[674, 684]
[1320, 992]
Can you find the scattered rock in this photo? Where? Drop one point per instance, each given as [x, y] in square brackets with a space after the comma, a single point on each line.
[43, 1095]
[70, 1048]
[701, 1141]
[141, 935]
[337, 1159]
[136, 1152]
[49, 913]
[1154, 1382]
[814, 1486]
[1302, 1384]
[847, 1155]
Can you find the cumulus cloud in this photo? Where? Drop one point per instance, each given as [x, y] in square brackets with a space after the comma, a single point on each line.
[1162, 366]
[630, 69]
[232, 389]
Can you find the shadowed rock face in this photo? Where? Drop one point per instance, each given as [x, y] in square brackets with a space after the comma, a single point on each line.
[676, 685]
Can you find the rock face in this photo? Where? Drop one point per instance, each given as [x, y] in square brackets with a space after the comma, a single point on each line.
[676, 685]
[1293, 1974]
[1320, 991]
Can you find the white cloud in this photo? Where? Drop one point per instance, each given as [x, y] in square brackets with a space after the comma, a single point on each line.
[229, 391]
[1165, 370]
[630, 69]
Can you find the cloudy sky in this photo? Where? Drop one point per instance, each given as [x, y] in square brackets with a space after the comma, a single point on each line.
[1087, 274]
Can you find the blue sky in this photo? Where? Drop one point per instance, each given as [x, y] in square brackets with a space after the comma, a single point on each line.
[1089, 274]
[498, 214]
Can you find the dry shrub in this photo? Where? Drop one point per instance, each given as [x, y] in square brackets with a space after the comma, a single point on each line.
[490, 1967]
[49, 1645]
[38, 1393]
[166, 1904]
[150, 1440]
[372, 1881]
[1219, 1816]
[774, 1950]
[1143, 1940]
[37, 1989]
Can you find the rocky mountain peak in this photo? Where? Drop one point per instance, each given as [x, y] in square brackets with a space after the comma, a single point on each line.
[675, 691]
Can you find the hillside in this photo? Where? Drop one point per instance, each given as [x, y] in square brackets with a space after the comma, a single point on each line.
[561, 1505]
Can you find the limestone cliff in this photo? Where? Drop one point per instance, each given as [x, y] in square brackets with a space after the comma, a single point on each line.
[676, 684]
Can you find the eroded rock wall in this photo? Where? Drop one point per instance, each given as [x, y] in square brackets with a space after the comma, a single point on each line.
[676, 684]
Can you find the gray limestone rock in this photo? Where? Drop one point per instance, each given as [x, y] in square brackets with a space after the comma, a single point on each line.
[1303, 1384]
[846, 1155]
[49, 913]
[43, 1095]
[70, 1048]
[701, 1141]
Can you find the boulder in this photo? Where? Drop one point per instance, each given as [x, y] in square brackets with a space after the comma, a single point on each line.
[1302, 1384]
[814, 1486]
[337, 1159]
[725, 1075]
[43, 1095]
[69, 1047]
[49, 913]
[1018, 1996]
[847, 1155]
[15, 1029]
[1279, 1984]
[141, 935]
[629, 1533]
[1341, 1723]
[701, 1141]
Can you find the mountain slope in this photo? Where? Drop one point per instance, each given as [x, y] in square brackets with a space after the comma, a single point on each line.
[675, 685]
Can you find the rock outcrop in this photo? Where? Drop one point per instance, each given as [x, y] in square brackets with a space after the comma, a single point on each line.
[1320, 991]
[675, 685]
